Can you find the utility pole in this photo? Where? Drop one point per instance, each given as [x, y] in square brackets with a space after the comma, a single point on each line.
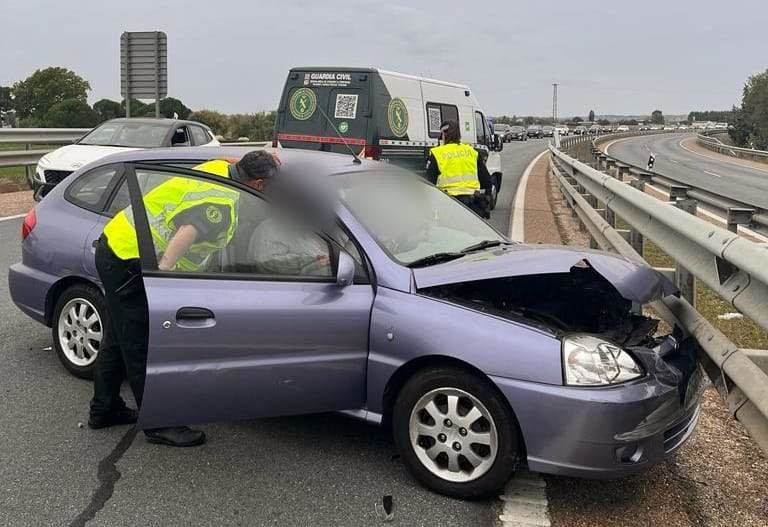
[554, 103]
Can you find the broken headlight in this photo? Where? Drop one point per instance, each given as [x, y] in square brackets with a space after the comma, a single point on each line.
[592, 361]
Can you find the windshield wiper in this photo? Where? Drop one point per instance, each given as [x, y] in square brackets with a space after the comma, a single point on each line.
[481, 245]
[433, 259]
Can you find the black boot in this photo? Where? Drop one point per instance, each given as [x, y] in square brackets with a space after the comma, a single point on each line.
[175, 436]
[121, 416]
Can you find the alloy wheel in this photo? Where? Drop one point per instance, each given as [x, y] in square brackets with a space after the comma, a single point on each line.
[453, 435]
[80, 331]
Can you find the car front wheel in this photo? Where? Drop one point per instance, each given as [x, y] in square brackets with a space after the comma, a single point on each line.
[78, 328]
[455, 434]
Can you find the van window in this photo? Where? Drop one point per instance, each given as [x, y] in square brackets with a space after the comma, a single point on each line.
[436, 114]
[480, 128]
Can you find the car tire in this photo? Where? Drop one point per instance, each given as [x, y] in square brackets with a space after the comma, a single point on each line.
[78, 328]
[496, 454]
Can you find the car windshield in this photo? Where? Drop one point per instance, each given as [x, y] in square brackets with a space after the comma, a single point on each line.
[499, 127]
[411, 219]
[517, 128]
[127, 134]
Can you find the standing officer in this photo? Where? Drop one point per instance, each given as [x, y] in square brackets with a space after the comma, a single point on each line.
[458, 170]
[189, 220]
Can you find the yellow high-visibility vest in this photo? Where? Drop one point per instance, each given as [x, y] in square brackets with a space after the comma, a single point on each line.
[168, 200]
[457, 164]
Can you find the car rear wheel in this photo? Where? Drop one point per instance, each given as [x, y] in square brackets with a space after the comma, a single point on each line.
[78, 328]
[455, 434]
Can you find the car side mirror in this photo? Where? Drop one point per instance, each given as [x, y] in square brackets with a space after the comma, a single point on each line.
[345, 271]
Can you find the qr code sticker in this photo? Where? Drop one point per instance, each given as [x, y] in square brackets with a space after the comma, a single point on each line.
[346, 106]
[435, 119]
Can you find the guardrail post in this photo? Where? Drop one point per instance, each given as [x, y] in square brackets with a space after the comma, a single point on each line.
[738, 216]
[635, 238]
[27, 168]
[686, 281]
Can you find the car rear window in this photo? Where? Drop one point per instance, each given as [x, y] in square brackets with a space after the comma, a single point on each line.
[89, 191]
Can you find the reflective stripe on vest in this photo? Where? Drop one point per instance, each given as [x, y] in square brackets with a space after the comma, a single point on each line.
[163, 204]
[457, 164]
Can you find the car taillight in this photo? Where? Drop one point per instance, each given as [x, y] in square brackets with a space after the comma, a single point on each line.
[30, 220]
[372, 152]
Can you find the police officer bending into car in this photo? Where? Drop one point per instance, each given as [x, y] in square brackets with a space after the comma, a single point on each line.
[189, 220]
[459, 171]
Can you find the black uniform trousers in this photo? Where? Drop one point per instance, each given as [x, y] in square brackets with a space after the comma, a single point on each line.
[123, 351]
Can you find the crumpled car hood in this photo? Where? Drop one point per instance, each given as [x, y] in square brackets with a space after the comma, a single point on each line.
[634, 281]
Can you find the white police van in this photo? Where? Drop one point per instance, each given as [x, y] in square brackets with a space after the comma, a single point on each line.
[382, 115]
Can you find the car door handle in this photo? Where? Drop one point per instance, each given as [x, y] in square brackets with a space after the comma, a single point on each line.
[194, 314]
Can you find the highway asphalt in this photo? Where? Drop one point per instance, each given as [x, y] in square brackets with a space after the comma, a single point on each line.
[308, 470]
[701, 169]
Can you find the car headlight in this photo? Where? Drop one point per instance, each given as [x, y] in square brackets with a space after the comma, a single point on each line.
[592, 361]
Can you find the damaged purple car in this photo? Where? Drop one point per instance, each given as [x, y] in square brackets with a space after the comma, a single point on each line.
[403, 308]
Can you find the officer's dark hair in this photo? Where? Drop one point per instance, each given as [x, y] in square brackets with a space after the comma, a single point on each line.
[258, 164]
[451, 131]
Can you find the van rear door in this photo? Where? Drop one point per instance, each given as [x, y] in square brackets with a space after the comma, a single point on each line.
[322, 110]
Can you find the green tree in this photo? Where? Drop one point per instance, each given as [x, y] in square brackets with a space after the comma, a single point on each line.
[577, 120]
[750, 127]
[657, 117]
[38, 93]
[591, 117]
[71, 113]
[170, 106]
[217, 121]
[603, 122]
[108, 109]
[6, 101]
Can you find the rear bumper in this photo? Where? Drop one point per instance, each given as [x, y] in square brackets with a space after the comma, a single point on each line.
[29, 289]
[607, 432]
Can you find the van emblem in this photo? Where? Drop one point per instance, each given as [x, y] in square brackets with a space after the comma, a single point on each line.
[397, 115]
[343, 127]
[303, 104]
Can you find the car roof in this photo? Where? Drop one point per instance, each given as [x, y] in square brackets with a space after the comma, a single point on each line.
[322, 163]
[154, 120]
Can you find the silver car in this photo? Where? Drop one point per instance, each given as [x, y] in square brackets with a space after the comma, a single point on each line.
[480, 355]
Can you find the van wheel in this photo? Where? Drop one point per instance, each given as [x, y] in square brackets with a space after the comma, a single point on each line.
[455, 434]
[78, 328]
[494, 191]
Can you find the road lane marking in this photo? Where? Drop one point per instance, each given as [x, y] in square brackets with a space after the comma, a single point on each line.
[721, 160]
[712, 173]
[516, 221]
[673, 161]
[16, 217]
[525, 501]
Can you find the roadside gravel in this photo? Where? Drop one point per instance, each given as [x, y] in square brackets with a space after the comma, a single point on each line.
[12, 203]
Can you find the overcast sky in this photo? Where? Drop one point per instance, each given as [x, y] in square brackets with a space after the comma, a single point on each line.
[617, 57]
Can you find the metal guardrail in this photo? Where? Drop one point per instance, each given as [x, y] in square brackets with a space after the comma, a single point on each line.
[734, 212]
[731, 265]
[26, 156]
[718, 146]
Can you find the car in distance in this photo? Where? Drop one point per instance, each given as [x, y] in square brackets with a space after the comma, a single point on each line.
[117, 135]
[478, 353]
[517, 133]
[502, 131]
[562, 129]
[594, 129]
[548, 131]
[535, 130]
[580, 130]
[622, 128]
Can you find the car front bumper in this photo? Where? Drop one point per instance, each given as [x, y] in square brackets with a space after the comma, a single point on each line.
[615, 431]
